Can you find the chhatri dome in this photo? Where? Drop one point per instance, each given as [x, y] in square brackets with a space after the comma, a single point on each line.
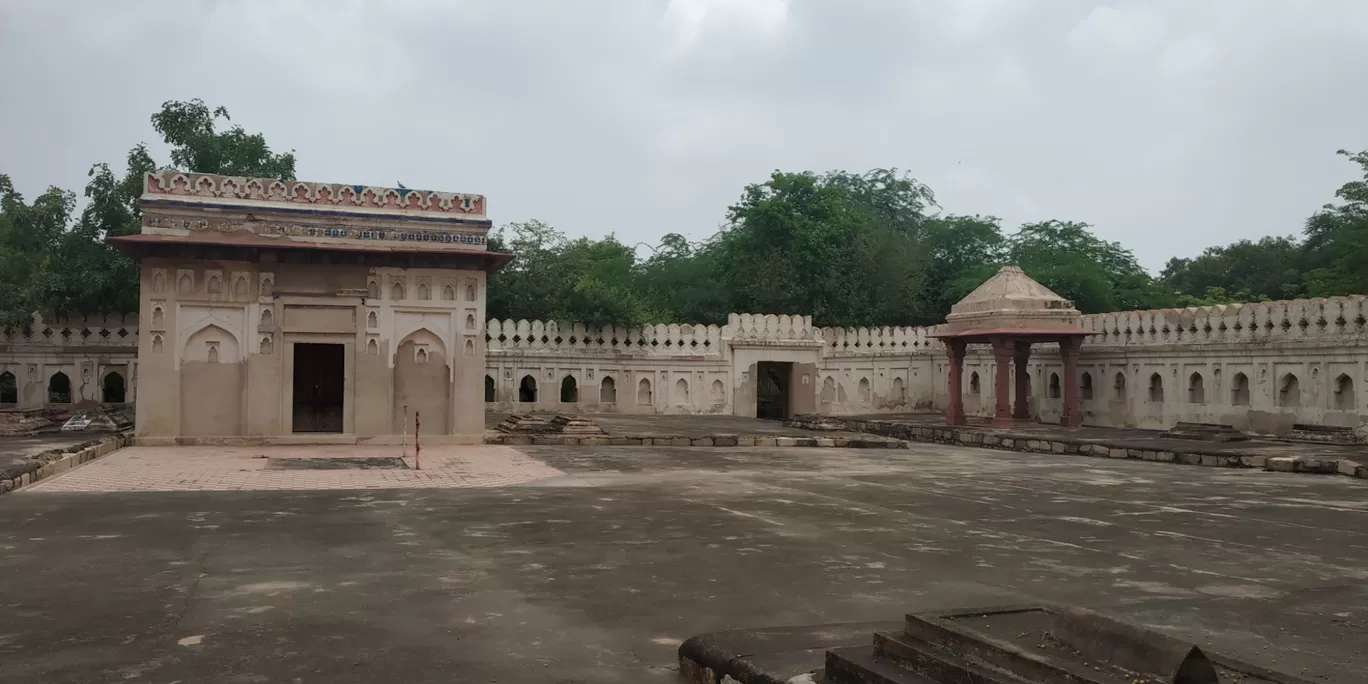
[1011, 302]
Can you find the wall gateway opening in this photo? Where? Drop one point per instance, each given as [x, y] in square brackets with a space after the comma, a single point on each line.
[318, 380]
[772, 390]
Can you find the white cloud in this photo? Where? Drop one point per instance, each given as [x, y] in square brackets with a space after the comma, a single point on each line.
[693, 21]
[1119, 32]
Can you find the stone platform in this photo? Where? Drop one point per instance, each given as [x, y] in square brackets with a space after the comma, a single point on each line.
[1122, 443]
[688, 430]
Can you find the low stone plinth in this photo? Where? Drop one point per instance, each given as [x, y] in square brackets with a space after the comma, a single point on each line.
[1103, 448]
[720, 440]
[54, 461]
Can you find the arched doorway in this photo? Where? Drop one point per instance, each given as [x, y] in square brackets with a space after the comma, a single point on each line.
[59, 389]
[112, 388]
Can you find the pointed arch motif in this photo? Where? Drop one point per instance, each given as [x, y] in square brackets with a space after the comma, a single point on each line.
[1196, 389]
[211, 344]
[1289, 391]
[489, 394]
[1156, 388]
[608, 391]
[1239, 390]
[681, 392]
[569, 390]
[1344, 399]
[527, 390]
[644, 393]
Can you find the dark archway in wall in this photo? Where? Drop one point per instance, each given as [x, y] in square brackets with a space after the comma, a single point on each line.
[569, 393]
[527, 390]
[489, 390]
[59, 389]
[9, 388]
[772, 390]
[112, 388]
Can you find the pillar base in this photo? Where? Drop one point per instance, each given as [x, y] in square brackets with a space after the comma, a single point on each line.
[1004, 422]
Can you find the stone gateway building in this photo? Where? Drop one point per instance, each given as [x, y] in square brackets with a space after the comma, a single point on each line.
[284, 308]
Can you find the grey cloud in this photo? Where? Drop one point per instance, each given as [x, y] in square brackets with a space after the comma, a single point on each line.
[1170, 125]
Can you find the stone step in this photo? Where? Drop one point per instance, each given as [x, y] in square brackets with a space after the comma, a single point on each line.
[939, 665]
[996, 655]
[859, 665]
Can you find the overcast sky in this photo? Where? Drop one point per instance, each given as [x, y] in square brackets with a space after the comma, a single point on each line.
[1170, 125]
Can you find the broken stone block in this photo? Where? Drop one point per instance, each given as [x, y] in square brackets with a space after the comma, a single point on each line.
[1347, 467]
[1281, 464]
[1253, 461]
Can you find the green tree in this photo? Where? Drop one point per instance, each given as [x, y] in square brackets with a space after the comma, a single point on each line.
[843, 247]
[72, 269]
[963, 250]
[1336, 245]
[1242, 271]
[554, 278]
[197, 144]
[30, 238]
[1097, 275]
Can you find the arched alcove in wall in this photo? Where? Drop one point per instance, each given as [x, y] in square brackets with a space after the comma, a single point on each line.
[422, 381]
[211, 374]
[607, 391]
[1196, 389]
[1344, 399]
[1289, 391]
[1239, 390]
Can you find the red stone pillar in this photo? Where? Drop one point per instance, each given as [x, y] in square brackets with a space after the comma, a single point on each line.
[1003, 350]
[954, 414]
[1071, 416]
[1022, 360]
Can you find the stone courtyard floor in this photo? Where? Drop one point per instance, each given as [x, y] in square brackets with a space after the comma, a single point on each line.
[597, 574]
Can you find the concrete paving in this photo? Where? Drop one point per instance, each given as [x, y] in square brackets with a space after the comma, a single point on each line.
[597, 576]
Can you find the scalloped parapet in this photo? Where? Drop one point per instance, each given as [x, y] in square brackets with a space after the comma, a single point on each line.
[1287, 321]
[560, 338]
[237, 190]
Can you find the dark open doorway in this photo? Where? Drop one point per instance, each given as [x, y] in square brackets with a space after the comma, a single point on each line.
[318, 379]
[772, 390]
